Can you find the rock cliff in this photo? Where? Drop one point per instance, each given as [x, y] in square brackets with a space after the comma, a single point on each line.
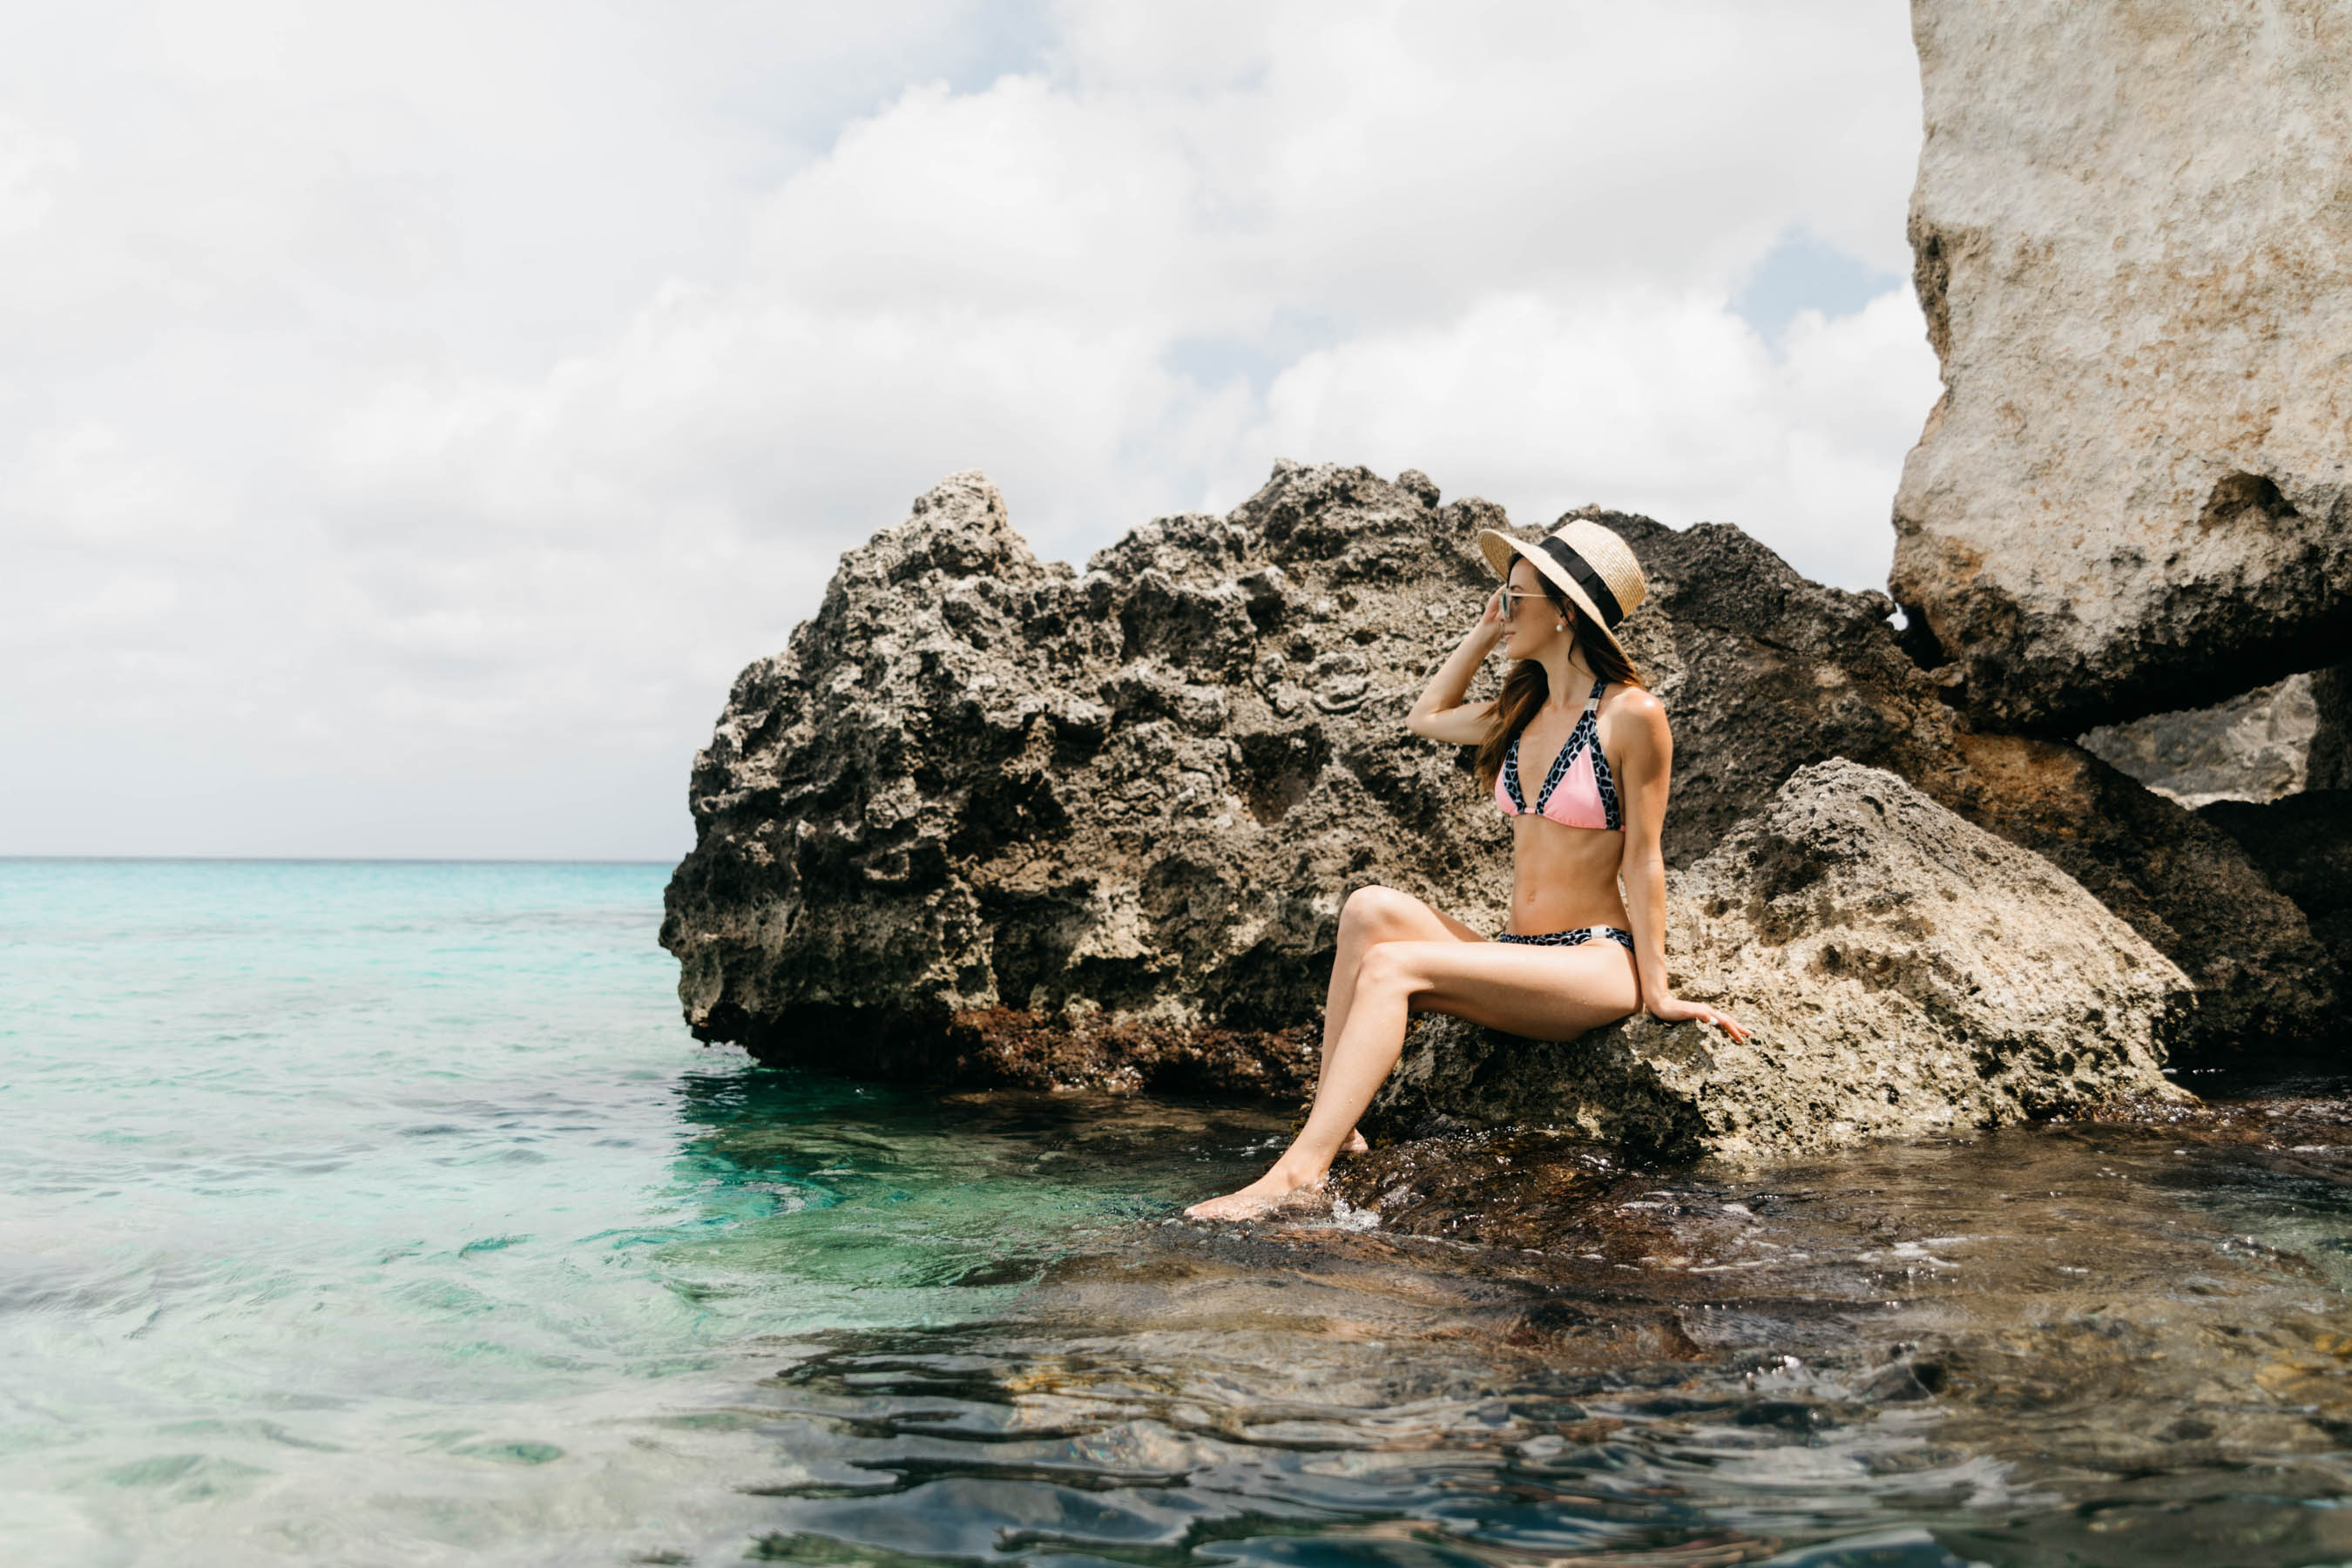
[991, 818]
[2132, 232]
[1902, 971]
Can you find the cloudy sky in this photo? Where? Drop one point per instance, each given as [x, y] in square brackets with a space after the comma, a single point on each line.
[411, 417]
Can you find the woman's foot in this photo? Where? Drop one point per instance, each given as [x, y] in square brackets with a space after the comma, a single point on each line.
[1355, 1143]
[1257, 1200]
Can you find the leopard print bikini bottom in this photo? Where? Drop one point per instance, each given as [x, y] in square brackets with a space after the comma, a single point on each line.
[1576, 938]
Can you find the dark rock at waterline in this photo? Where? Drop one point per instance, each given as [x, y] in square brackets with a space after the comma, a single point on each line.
[1903, 972]
[988, 819]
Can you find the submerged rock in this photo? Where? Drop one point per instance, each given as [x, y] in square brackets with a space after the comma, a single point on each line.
[2135, 260]
[1903, 972]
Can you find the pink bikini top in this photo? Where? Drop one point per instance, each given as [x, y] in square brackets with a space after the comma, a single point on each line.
[1579, 791]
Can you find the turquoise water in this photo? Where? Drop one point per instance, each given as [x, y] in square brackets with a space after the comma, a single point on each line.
[344, 1199]
[385, 1213]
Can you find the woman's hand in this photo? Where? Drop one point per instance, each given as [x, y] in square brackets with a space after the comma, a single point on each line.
[1674, 1010]
[1491, 625]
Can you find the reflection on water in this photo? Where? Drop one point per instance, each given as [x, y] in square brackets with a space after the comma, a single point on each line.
[368, 1214]
[2071, 1344]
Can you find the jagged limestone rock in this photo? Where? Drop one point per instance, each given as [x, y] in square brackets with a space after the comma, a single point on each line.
[989, 818]
[2134, 246]
[1903, 972]
[992, 817]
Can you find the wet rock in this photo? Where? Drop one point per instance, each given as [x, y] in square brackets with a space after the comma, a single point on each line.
[1905, 974]
[2133, 253]
[2257, 746]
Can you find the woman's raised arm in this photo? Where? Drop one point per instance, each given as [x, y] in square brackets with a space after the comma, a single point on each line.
[1439, 713]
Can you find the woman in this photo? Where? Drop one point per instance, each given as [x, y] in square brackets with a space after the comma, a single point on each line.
[1579, 952]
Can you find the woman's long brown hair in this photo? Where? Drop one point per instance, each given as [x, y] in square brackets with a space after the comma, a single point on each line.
[1527, 685]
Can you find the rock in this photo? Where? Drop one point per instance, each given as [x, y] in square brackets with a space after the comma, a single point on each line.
[989, 818]
[1764, 672]
[2305, 844]
[2135, 254]
[1903, 972]
[2328, 763]
[2257, 746]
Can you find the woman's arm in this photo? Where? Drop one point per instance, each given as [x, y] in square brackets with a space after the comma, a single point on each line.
[1646, 751]
[1439, 713]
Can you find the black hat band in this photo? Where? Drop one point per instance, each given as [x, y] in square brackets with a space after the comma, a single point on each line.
[1589, 580]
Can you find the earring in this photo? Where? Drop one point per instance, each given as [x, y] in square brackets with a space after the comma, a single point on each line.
[1559, 626]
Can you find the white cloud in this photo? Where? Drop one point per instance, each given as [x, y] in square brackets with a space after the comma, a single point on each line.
[405, 398]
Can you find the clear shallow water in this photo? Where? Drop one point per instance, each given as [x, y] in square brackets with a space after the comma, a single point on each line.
[385, 1214]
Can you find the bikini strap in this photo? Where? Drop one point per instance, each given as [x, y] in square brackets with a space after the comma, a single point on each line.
[1592, 703]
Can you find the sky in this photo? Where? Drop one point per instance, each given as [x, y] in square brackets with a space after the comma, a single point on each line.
[412, 417]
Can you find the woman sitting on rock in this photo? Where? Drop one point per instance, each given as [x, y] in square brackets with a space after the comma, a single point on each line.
[1579, 952]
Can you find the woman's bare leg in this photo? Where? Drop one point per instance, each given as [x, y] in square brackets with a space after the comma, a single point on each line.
[1548, 993]
[1373, 915]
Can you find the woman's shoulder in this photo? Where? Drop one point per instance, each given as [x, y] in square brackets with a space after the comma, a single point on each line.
[1637, 701]
[1629, 708]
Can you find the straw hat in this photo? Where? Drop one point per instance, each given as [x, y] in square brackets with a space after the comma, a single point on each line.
[1585, 560]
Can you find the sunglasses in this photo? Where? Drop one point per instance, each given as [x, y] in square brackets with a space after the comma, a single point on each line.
[1511, 596]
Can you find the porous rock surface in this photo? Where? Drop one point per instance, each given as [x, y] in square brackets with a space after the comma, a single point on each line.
[1001, 820]
[1902, 972]
[2132, 239]
[989, 818]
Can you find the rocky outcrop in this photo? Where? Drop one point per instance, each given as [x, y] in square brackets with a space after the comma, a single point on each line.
[1902, 973]
[2257, 746]
[982, 797]
[1764, 672]
[2133, 248]
[991, 818]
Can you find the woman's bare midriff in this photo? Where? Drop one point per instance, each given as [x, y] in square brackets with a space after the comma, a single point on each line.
[1562, 878]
